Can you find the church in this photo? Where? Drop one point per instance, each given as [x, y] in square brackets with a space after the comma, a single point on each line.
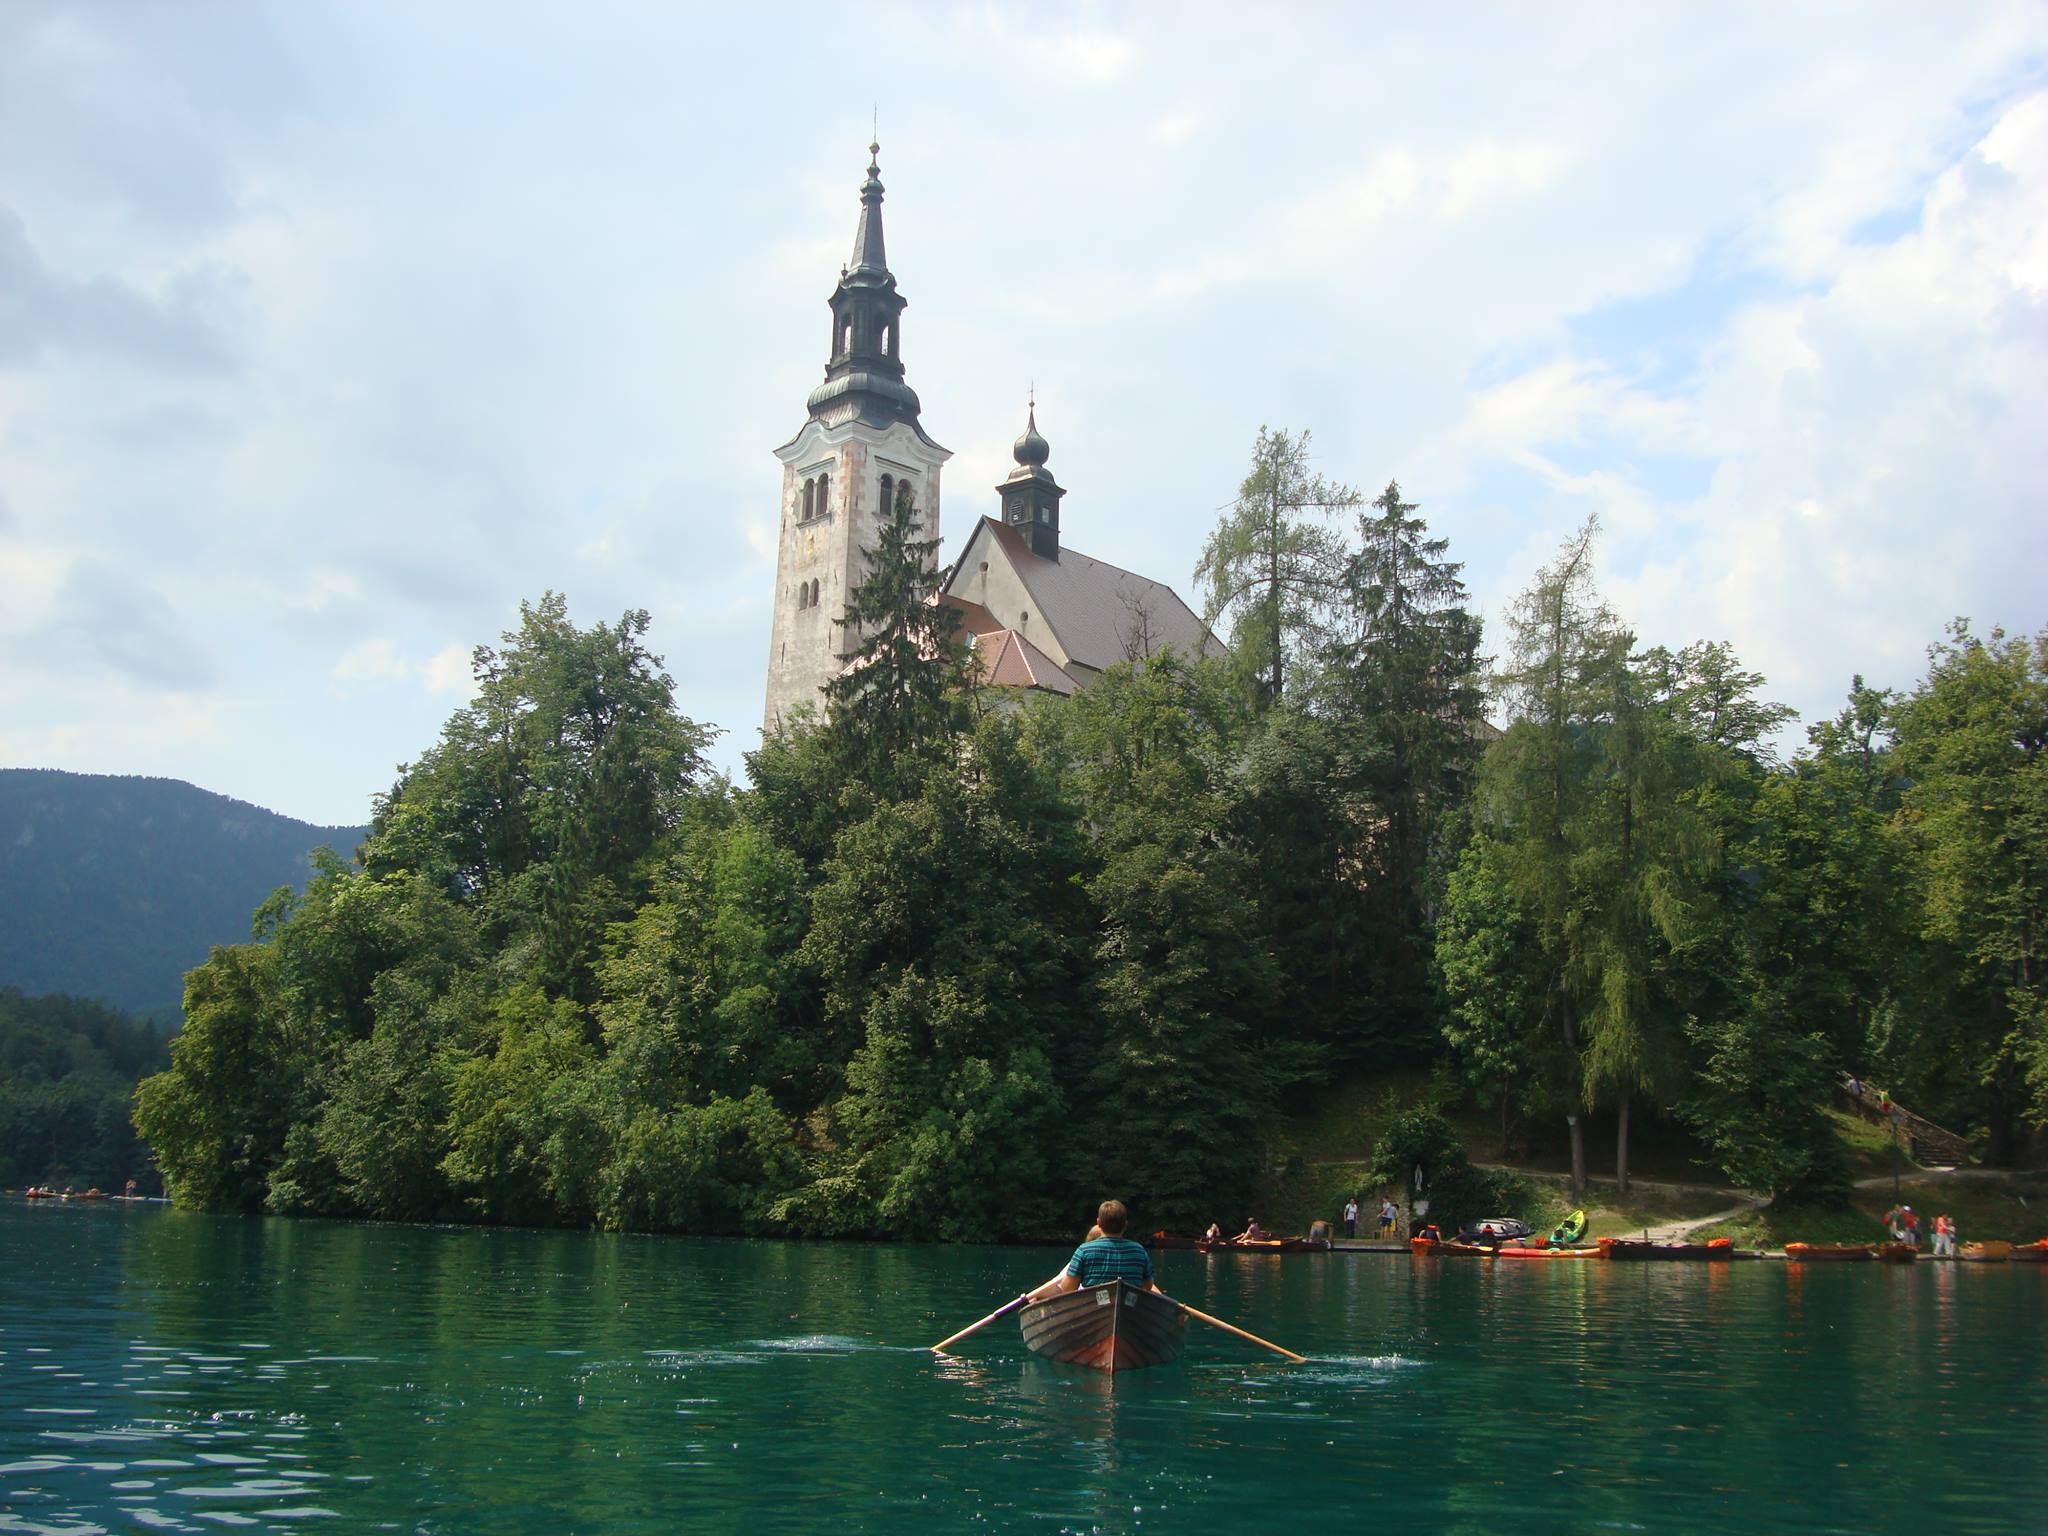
[1035, 613]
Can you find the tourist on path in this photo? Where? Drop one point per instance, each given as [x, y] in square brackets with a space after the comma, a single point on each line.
[1351, 1217]
[1390, 1216]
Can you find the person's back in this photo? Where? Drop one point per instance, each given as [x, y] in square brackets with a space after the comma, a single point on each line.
[1102, 1259]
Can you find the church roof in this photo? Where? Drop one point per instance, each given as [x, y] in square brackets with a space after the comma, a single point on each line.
[1008, 660]
[1095, 608]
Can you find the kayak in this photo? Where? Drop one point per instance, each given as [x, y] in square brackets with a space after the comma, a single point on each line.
[1813, 1253]
[1114, 1326]
[1571, 1230]
[1551, 1253]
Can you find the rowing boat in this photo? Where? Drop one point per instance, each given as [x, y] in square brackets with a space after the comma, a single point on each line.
[1550, 1253]
[1984, 1253]
[1815, 1253]
[1261, 1245]
[1897, 1253]
[2030, 1253]
[1635, 1248]
[1431, 1248]
[1114, 1326]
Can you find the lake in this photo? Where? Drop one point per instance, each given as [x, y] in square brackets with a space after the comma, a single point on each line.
[166, 1371]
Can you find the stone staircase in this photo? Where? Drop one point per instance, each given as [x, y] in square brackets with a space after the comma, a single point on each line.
[1930, 1145]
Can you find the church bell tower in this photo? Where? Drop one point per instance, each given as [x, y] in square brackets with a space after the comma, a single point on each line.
[860, 448]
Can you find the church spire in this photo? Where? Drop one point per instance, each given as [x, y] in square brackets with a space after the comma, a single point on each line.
[864, 368]
[1031, 497]
[867, 237]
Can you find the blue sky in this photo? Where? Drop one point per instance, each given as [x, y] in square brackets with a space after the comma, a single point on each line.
[329, 333]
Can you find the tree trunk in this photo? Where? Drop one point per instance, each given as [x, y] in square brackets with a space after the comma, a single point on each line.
[1578, 1132]
[1621, 1145]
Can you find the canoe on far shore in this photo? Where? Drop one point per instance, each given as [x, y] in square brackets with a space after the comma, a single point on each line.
[2029, 1253]
[1897, 1253]
[1635, 1248]
[1263, 1245]
[1108, 1327]
[1984, 1253]
[1814, 1253]
[1430, 1248]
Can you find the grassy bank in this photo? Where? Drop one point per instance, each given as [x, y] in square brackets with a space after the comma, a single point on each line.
[1986, 1206]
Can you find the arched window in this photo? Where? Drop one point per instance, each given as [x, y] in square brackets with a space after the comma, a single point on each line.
[888, 492]
[846, 338]
[824, 494]
[888, 337]
[814, 594]
[810, 492]
[894, 341]
[803, 596]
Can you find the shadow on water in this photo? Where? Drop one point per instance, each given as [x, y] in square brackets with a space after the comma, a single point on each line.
[178, 1372]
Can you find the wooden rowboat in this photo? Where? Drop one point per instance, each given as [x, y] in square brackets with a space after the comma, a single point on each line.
[1633, 1248]
[1109, 1327]
[1984, 1253]
[1897, 1253]
[1815, 1253]
[2030, 1253]
[1430, 1248]
[1262, 1245]
[1550, 1253]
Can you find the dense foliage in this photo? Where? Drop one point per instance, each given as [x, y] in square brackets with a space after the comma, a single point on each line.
[68, 1068]
[956, 962]
[113, 887]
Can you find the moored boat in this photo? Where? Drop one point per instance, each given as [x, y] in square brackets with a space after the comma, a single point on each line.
[1508, 1252]
[1636, 1248]
[1109, 1327]
[1260, 1245]
[1897, 1253]
[1815, 1253]
[2029, 1253]
[1984, 1253]
[1434, 1248]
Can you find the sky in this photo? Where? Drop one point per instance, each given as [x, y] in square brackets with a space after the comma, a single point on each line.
[331, 332]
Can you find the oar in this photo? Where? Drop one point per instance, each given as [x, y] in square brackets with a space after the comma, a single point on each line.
[1003, 1311]
[1217, 1322]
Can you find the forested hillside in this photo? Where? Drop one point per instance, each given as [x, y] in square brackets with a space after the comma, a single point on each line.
[113, 887]
[957, 962]
[68, 1069]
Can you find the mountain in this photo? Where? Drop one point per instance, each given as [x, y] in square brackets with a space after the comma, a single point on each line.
[113, 887]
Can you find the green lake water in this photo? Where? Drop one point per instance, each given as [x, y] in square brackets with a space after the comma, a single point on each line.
[161, 1371]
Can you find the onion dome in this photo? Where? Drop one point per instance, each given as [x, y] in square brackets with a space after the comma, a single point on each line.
[1031, 450]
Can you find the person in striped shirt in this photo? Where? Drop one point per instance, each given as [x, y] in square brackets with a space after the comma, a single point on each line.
[1111, 1256]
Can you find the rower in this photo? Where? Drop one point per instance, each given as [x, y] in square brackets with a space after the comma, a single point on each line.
[1099, 1260]
[1252, 1233]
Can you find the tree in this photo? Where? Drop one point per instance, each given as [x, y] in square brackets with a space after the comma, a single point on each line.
[1269, 565]
[1535, 778]
[1399, 681]
[1973, 743]
[898, 708]
[545, 794]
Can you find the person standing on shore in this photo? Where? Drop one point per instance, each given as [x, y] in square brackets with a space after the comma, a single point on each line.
[1390, 1216]
[1351, 1217]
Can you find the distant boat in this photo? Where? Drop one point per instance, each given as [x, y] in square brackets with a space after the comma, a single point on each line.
[1263, 1245]
[1897, 1253]
[1434, 1248]
[1114, 1326]
[1984, 1253]
[1632, 1248]
[1816, 1253]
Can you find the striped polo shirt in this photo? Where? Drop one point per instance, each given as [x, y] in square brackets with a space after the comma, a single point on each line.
[1110, 1258]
